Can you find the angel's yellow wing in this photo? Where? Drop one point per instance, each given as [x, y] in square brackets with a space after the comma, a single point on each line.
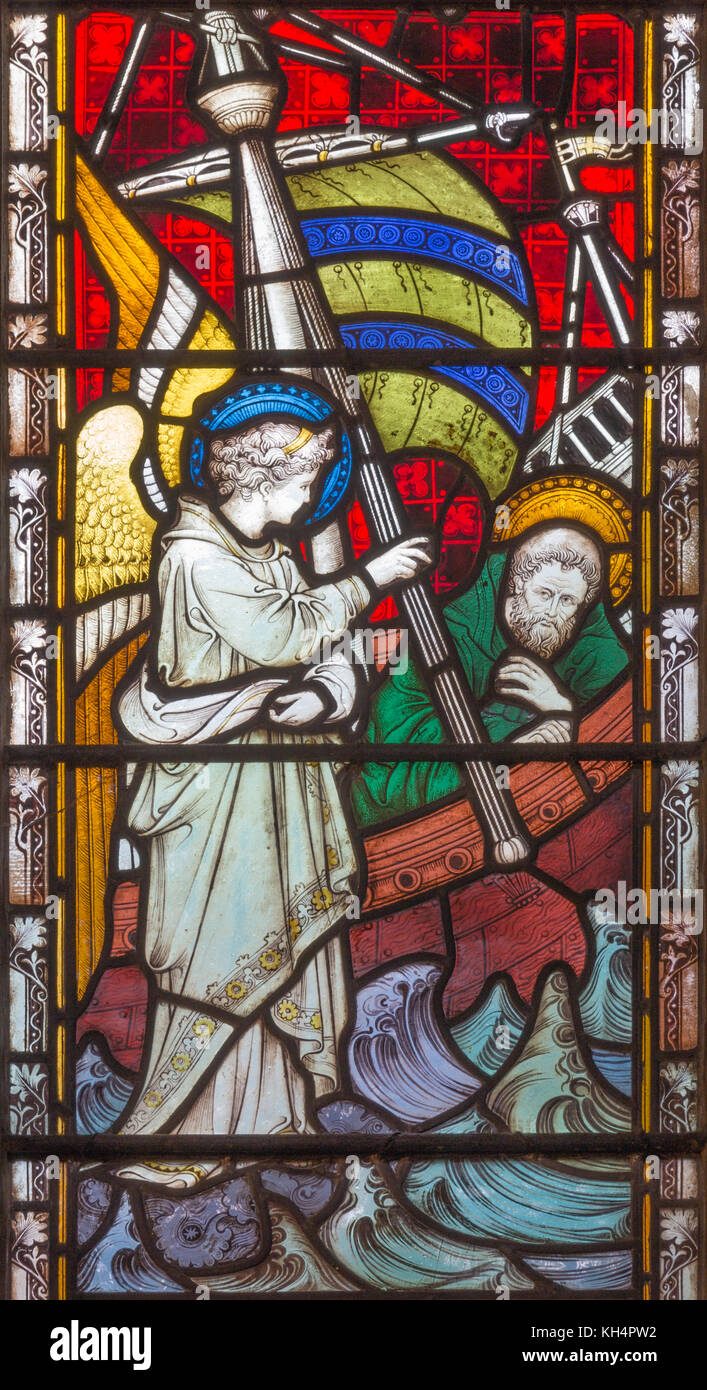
[113, 530]
[129, 261]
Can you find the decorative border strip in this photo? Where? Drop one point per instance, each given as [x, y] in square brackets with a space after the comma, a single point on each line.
[495, 385]
[330, 237]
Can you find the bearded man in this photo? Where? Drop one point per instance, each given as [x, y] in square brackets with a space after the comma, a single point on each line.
[537, 647]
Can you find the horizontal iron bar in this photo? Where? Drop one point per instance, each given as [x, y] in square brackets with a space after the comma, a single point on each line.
[550, 355]
[115, 755]
[112, 1147]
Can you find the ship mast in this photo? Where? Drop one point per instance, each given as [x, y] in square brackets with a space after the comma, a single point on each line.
[241, 90]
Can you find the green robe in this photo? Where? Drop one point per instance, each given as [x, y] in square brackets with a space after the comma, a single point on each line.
[402, 710]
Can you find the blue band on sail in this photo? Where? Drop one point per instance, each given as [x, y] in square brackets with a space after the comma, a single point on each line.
[494, 384]
[262, 400]
[409, 238]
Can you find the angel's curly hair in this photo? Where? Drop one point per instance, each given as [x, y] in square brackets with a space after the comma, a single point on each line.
[245, 460]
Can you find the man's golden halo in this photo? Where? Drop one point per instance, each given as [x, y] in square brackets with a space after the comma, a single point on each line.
[575, 498]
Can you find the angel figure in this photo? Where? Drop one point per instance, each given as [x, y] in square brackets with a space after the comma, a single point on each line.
[250, 864]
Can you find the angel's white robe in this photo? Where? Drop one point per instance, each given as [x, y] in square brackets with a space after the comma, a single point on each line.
[250, 864]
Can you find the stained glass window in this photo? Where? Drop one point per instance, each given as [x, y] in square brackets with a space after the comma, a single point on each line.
[352, 523]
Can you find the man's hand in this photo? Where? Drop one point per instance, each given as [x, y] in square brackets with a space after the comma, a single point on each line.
[299, 707]
[550, 731]
[521, 678]
[402, 561]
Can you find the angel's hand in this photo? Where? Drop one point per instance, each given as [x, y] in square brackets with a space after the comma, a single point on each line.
[401, 562]
[297, 708]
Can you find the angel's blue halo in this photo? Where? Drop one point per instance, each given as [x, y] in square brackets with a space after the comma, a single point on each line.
[265, 399]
